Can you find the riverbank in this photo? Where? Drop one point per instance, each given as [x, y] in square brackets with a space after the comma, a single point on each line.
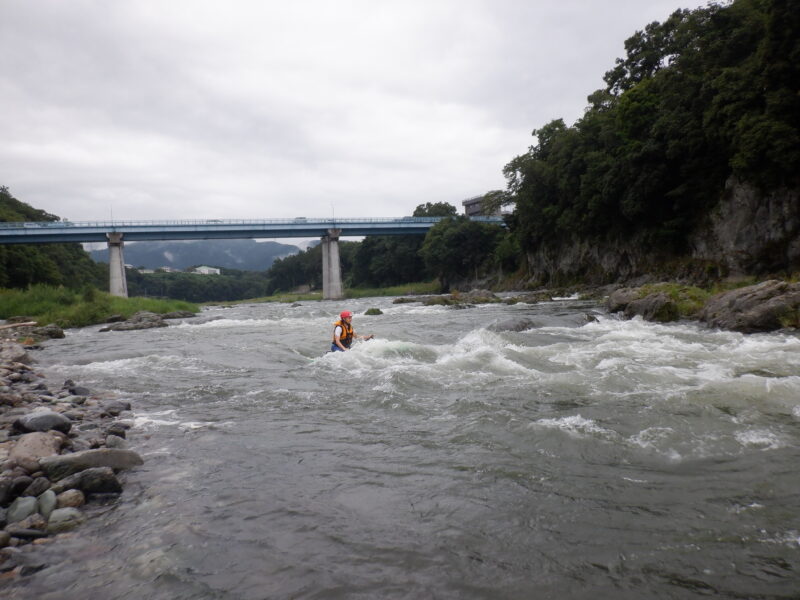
[770, 305]
[61, 450]
[62, 307]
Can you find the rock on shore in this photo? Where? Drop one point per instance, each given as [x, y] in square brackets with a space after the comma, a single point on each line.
[767, 306]
[58, 448]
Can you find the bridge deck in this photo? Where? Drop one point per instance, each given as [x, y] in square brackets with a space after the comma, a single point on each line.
[40, 232]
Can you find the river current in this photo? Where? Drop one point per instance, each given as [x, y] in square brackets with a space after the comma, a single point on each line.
[585, 457]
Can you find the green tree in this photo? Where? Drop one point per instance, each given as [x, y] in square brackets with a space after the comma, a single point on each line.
[456, 248]
[23, 265]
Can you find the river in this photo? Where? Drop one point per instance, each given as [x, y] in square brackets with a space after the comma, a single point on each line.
[586, 457]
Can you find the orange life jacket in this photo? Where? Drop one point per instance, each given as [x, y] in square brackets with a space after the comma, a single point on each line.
[347, 333]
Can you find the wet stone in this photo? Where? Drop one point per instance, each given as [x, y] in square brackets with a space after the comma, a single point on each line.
[34, 521]
[70, 498]
[99, 480]
[64, 519]
[114, 441]
[21, 508]
[43, 421]
[19, 484]
[79, 391]
[29, 463]
[37, 487]
[47, 503]
[117, 429]
[25, 533]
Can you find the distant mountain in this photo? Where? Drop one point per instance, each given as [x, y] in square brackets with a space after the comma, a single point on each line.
[245, 255]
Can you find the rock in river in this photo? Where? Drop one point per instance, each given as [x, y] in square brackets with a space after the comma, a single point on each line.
[43, 420]
[64, 519]
[56, 467]
[99, 480]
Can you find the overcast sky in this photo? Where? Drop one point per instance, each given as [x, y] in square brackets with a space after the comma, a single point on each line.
[189, 109]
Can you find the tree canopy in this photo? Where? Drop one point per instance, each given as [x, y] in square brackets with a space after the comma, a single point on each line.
[706, 95]
[23, 265]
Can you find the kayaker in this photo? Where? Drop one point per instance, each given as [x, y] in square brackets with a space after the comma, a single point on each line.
[344, 334]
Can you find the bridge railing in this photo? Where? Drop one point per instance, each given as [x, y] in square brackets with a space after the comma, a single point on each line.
[196, 222]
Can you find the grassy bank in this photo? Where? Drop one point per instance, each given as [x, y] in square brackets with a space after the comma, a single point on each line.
[69, 308]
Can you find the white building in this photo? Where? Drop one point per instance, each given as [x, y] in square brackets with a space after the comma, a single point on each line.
[203, 270]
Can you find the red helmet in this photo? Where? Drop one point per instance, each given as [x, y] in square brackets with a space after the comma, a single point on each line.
[346, 314]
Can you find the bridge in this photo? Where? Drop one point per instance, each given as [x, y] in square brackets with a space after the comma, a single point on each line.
[115, 233]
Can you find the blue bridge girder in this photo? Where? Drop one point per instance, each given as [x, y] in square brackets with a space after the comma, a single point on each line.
[43, 232]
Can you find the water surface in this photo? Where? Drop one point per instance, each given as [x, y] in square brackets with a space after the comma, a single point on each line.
[586, 457]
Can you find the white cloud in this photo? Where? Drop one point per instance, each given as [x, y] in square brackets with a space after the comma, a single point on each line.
[210, 109]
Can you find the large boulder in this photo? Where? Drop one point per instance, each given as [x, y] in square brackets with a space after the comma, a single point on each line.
[653, 307]
[57, 467]
[767, 306]
[140, 320]
[36, 445]
[43, 420]
[99, 480]
[619, 299]
[11, 352]
[51, 331]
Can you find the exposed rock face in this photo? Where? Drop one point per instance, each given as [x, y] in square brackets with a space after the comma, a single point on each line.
[764, 307]
[746, 233]
[749, 232]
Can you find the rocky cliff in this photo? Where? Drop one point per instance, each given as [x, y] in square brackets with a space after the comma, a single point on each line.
[747, 233]
[750, 233]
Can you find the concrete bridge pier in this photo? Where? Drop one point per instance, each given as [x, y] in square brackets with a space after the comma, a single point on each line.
[117, 284]
[331, 269]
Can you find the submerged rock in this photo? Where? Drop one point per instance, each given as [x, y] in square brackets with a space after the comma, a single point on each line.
[178, 314]
[140, 320]
[518, 324]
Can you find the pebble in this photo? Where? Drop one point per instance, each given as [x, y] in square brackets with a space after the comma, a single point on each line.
[56, 449]
[64, 519]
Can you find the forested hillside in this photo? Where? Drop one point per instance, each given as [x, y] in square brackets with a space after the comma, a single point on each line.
[704, 106]
[243, 255]
[55, 264]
